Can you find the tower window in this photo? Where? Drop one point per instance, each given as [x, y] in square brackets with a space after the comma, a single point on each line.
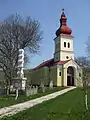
[64, 44]
[68, 45]
[67, 57]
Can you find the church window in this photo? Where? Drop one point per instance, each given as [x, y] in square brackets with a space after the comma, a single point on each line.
[59, 73]
[68, 45]
[67, 57]
[64, 44]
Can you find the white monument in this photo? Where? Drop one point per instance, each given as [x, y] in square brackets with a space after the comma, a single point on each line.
[20, 73]
[20, 80]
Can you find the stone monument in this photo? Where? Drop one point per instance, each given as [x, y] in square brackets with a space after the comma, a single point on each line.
[20, 80]
[51, 84]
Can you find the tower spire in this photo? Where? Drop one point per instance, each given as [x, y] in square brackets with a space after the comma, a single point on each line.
[63, 29]
[63, 18]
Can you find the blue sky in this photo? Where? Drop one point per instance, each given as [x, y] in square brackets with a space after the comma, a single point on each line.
[48, 13]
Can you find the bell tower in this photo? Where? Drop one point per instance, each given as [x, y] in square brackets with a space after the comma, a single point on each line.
[63, 41]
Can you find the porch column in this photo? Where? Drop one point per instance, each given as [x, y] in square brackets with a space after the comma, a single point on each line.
[64, 77]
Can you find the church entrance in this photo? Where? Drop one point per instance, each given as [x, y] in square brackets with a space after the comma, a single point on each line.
[70, 76]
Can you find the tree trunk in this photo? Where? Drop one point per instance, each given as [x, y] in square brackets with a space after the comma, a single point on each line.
[8, 90]
[86, 100]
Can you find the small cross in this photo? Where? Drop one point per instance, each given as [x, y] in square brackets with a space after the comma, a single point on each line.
[63, 10]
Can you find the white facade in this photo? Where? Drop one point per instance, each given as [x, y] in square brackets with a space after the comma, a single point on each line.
[21, 58]
[20, 73]
[64, 49]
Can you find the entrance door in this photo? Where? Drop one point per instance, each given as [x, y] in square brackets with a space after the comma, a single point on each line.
[70, 76]
[68, 80]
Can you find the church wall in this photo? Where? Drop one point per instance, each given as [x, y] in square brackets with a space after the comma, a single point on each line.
[53, 75]
[45, 75]
[27, 74]
[65, 54]
[57, 44]
[79, 79]
[57, 49]
[40, 75]
[57, 56]
[59, 75]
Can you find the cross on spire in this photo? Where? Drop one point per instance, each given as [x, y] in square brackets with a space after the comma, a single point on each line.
[63, 10]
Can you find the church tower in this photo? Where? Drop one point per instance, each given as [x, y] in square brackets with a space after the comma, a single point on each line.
[63, 41]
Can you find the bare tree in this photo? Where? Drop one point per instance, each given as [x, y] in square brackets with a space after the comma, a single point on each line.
[17, 33]
[84, 63]
[88, 48]
[85, 86]
[86, 72]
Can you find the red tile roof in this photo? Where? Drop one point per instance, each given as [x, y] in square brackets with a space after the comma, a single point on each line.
[50, 62]
[62, 62]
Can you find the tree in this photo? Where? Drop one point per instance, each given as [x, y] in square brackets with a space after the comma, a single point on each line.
[86, 72]
[82, 61]
[17, 33]
[88, 48]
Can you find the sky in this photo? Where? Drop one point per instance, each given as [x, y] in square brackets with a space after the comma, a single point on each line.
[48, 13]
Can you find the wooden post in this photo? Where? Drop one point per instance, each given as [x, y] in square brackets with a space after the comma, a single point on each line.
[16, 94]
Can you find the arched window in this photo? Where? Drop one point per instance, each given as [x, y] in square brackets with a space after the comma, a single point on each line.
[68, 45]
[64, 44]
[59, 73]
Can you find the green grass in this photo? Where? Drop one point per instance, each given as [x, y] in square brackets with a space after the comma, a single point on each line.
[69, 106]
[10, 100]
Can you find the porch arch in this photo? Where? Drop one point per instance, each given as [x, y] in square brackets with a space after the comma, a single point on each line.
[70, 76]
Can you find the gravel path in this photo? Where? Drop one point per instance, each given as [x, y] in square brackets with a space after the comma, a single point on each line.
[11, 110]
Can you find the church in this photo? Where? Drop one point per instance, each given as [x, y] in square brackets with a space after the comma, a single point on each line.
[62, 69]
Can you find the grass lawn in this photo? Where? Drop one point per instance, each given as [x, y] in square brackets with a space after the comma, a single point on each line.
[10, 100]
[69, 106]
